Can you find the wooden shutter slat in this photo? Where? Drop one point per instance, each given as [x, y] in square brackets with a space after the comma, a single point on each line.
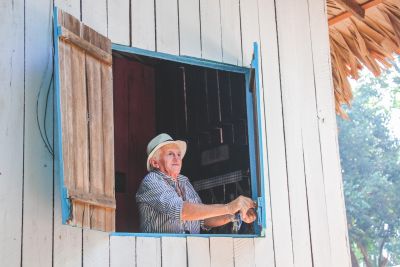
[87, 124]
[93, 199]
[95, 51]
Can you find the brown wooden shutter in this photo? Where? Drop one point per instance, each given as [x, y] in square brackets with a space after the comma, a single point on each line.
[86, 94]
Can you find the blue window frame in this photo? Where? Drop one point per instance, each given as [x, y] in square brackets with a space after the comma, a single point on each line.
[255, 136]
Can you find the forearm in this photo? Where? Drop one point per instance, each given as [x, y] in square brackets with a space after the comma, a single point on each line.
[218, 221]
[196, 211]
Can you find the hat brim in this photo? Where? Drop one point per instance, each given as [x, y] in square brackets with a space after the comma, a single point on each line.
[181, 144]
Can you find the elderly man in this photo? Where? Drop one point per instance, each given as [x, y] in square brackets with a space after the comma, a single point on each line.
[168, 202]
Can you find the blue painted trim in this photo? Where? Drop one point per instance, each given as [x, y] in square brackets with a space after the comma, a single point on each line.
[65, 205]
[181, 59]
[252, 144]
[180, 235]
[260, 136]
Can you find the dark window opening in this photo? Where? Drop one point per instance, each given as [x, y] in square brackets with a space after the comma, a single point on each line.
[203, 106]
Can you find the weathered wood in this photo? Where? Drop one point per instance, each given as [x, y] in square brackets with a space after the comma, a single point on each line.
[108, 141]
[118, 21]
[221, 251]
[167, 26]
[93, 199]
[93, 50]
[198, 251]
[210, 19]
[96, 152]
[353, 7]
[148, 252]
[38, 178]
[243, 249]
[230, 30]
[11, 131]
[173, 252]
[87, 128]
[189, 28]
[122, 251]
[328, 135]
[143, 24]
[67, 240]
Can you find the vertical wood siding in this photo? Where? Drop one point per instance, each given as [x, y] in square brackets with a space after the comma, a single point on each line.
[306, 223]
[11, 131]
[38, 167]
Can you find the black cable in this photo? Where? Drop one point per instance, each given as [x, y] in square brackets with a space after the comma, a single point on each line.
[43, 134]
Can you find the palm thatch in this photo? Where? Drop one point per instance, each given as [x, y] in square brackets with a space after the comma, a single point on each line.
[355, 42]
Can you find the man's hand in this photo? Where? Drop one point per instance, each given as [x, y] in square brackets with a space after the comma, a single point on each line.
[242, 204]
[251, 215]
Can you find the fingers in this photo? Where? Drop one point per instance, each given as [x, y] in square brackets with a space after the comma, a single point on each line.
[251, 215]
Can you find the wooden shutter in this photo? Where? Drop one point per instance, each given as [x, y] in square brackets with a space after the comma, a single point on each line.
[84, 105]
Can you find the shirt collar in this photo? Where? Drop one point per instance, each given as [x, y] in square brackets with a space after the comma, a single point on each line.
[180, 177]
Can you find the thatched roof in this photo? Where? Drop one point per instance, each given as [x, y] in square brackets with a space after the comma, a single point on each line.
[360, 40]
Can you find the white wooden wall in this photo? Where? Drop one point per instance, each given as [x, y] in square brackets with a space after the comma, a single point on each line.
[306, 215]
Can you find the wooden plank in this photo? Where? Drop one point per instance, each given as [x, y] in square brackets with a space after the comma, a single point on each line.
[95, 248]
[263, 252]
[173, 251]
[210, 19]
[276, 186]
[230, 29]
[122, 251]
[96, 150]
[243, 249]
[143, 24]
[118, 21]
[304, 160]
[38, 163]
[11, 131]
[108, 141]
[221, 251]
[94, 14]
[79, 134]
[73, 7]
[148, 252]
[189, 28]
[292, 72]
[92, 199]
[67, 240]
[167, 35]
[68, 36]
[328, 136]
[250, 28]
[353, 7]
[198, 251]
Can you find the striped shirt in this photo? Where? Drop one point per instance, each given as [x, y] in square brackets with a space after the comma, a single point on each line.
[160, 201]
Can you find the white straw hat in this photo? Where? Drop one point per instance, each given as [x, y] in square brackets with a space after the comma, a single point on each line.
[162, 140]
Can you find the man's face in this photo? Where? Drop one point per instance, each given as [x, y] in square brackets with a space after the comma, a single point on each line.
[170, 160]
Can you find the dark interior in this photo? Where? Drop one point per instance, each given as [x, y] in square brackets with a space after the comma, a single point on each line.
[203, 106]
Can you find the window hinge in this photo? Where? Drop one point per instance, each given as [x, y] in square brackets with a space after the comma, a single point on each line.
[260, 204]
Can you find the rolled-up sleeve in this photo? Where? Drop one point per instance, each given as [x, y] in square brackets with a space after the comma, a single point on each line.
[160, 196]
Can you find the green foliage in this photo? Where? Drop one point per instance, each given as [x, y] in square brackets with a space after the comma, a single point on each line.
[370, 160]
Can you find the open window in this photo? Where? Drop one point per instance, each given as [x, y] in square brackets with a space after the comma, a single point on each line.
[112, 100]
